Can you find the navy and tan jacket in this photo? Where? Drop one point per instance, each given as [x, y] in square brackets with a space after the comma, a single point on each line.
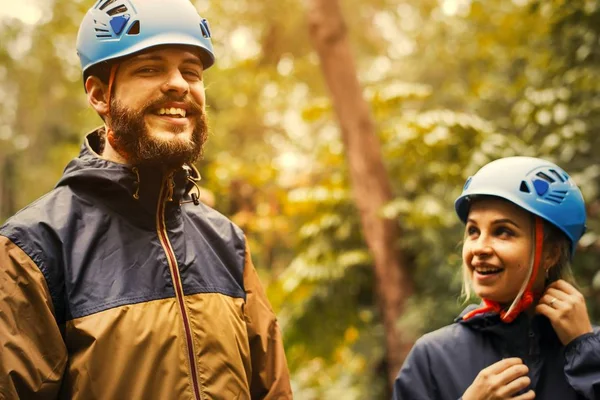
[444, 363]
[116, 285]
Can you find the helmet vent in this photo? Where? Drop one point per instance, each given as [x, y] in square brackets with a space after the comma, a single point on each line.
[113, 26]
[558, 176]
[205, 28]
[102, 30]
[557, 196]
[467, 183]
[545, 177]
[112, 29]
[524, 187]
[106, 4]
[117, 10]
[135, 29]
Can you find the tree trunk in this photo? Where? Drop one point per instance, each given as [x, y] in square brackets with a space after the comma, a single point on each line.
[370, 183]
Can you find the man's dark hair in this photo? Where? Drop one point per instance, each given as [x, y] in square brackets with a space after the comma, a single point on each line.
[100, 70]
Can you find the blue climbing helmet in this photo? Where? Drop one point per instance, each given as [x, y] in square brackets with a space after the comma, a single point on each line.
[540, 187]
[112, 29]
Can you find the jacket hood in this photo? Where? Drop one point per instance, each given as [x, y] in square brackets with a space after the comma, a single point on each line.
[91, 168]
[125, 186]
[516, 333]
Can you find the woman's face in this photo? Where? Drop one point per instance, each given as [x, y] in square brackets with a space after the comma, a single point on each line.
[497, 249]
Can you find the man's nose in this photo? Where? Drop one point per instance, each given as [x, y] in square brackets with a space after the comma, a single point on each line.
[176, 84]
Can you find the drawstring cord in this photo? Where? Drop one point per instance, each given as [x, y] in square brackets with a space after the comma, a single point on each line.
[195, 197]
[194, 181]
[191, 179]
[136, 194]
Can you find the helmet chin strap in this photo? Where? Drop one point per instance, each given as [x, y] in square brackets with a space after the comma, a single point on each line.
[523, 302]
[110, 134]
[525, 298]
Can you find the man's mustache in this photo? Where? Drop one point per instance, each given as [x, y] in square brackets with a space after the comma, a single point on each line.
[192, 106]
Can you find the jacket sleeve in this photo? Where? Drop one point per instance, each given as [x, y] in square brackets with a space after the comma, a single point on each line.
[32, 353]
[414, 381]
[582, 365]
[270, 375]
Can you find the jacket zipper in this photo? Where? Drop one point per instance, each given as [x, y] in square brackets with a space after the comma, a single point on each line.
[531, 339]
[533, 350]
[177, 286]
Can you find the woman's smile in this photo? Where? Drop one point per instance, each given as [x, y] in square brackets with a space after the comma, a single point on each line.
[497, 248]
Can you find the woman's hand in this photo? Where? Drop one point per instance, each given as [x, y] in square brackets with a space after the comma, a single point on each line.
[565, 308]
[500, 381]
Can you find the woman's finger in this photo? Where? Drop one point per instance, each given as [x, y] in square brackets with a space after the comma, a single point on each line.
[514, 386]
[503, 365]
[525, 396]
[512, 373]
[554, 302]
[558, 294]
[545, 309]
[564, 286]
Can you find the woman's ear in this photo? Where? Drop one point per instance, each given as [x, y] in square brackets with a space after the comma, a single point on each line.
[551, 257]
[97, 94]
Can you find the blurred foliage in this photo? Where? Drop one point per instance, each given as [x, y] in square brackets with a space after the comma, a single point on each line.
[452, 85]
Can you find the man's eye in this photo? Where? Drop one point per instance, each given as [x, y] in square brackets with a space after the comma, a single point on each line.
[147, 70]
[471, 230]
[193, 74]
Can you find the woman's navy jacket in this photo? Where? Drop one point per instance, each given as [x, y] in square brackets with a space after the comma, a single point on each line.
[444, 363]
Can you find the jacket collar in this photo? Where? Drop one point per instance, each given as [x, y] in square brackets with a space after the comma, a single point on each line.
[133, 187]
[517, 332]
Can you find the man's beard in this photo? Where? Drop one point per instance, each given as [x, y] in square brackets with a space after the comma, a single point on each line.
[133, 140]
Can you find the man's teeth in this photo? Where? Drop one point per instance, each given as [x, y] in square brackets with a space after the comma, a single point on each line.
[172, 111]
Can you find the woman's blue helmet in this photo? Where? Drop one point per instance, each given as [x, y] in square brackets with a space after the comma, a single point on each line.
[538, 186]
[112, 29]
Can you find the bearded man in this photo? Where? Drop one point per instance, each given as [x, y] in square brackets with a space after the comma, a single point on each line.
[120, 283]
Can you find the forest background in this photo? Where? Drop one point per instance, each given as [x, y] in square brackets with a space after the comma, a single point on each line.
[450, 84]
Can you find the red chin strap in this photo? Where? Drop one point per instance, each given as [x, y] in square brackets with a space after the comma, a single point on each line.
[528, 296]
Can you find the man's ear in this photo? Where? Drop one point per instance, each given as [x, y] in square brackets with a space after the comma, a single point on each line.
[97, 94]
